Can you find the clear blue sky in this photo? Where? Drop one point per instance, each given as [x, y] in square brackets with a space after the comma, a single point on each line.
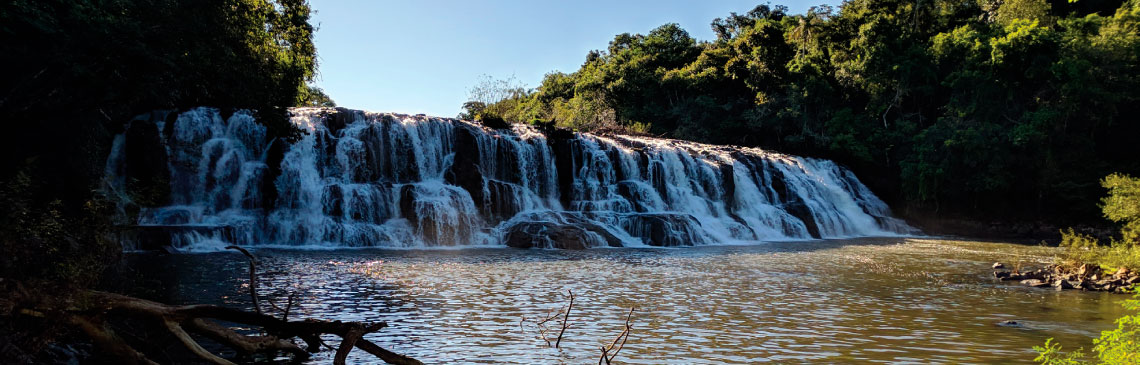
[422, 56]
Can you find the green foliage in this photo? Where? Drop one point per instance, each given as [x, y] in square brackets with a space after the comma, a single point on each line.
[1122, 205]
[77, 70]
[1011, 10]
[1081, 249]
[313, 96]
[1118, 346]
[1008, 109]
[1051, 354]
[41, 243]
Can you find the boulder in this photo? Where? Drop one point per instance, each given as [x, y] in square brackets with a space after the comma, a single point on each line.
[998, 265]
[552, 235]
[557, 230]
[1036, 283]
[664, 229]
[1121, 273]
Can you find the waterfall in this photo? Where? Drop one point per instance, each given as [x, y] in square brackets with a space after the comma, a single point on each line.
[362, 179]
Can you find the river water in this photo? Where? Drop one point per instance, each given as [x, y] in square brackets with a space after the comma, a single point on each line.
[897, 300]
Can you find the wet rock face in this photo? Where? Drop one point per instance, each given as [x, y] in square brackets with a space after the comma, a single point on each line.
[147, 172]
[559, 230]
[464, 170]
[548, 235]
[663, 229]
[170, 237]
[800, 210]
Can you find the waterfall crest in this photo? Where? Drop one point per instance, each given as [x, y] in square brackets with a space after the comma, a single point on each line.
[362, 179]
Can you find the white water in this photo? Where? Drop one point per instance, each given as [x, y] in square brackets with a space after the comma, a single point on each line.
[361, 179]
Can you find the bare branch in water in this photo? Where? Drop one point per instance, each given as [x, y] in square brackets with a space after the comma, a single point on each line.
[565, 320]
[252, 276]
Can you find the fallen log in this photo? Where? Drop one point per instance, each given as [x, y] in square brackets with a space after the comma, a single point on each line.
[90, 313]
[180, 321]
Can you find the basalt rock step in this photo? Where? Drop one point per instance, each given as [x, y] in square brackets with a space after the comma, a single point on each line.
[1082, 277]
[205, 176]
[169, 237]
[564, 231]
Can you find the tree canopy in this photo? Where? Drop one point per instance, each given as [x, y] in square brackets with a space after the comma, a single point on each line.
[78, 70]
[979, 108]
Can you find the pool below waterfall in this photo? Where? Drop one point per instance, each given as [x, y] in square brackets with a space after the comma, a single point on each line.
[832, 301]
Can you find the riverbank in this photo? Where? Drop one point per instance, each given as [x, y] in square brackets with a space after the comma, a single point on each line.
[1024, 232]
[1083, 277]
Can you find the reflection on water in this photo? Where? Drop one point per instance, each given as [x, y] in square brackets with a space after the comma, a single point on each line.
[864, 300]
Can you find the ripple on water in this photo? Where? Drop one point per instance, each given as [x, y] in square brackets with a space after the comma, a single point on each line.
[867, 300]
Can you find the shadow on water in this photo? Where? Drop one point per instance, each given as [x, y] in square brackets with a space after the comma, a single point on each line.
[831, 301]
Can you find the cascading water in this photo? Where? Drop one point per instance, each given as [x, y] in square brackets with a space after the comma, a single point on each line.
[358, 179]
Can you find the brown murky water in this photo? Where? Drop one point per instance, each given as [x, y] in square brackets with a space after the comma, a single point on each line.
[840, 301]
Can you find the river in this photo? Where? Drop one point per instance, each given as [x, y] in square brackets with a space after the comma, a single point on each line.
[897, 300]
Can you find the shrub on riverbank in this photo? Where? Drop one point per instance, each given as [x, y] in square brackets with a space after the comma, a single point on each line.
[1118, 346]
[1081, 249]
[1122, 205]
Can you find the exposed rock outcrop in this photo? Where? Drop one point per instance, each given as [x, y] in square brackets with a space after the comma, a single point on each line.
[1083, 277]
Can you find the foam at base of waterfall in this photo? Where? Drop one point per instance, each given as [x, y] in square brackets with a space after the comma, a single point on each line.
[357, 179]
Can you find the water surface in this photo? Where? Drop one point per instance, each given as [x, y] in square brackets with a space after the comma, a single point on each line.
[892, 300]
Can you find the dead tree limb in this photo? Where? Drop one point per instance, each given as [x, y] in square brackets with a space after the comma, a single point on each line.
[388, 356]
[623, 336]
[246, 345]
[192, 345]
[252, 276]
[288, 306]
[565, 320]
[108, 341]
[89, 311]
[542, 324]
[195, 318]
[347, 344]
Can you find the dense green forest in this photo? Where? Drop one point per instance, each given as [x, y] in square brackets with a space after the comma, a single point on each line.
[984, 109]
[78, 70]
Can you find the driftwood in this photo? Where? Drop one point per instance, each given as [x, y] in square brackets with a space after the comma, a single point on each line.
[182, 320]
[89, 312]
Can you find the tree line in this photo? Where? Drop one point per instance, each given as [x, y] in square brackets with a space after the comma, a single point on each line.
[984, 109]
[77, 70]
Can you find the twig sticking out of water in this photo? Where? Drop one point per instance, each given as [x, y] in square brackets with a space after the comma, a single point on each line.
[252, 276]
[623, 336]
[565, 320]
[542, 324]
